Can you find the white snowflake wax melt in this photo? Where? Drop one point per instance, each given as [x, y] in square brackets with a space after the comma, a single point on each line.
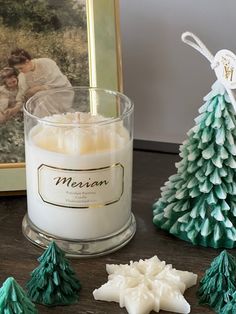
[147, 285]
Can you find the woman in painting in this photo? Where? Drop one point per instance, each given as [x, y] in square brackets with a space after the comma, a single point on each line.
[40, 74]
[11, 118]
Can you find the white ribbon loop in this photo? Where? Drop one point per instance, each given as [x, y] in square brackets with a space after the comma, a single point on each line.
[197, 45]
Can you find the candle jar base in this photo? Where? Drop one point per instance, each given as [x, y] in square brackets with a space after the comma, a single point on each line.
[81, 247]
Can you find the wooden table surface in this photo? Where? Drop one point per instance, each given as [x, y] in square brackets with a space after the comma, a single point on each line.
[18, 257]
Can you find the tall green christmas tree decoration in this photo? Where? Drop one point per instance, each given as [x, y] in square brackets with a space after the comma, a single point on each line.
[53, 282]
[198, 203]
[13, 299]
[218, 285]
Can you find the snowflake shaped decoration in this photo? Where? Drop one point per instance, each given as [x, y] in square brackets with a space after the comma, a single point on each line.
[147, 285]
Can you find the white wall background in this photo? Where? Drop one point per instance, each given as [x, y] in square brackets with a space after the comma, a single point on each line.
[164, 77]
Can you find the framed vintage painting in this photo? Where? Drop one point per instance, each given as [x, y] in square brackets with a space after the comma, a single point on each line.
[81, 36]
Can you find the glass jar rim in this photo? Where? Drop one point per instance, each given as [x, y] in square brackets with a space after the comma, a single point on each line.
[73, 124]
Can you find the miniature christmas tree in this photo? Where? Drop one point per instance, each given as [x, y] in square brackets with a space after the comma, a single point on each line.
[53, 282]
[198, 204]
[230, 307]
[219, 282]
[13, 299]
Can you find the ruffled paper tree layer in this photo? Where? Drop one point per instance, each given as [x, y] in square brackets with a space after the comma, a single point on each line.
[218, 284]
[53, 282]
[198, 204]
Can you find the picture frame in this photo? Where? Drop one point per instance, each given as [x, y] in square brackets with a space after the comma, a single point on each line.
[104, 70]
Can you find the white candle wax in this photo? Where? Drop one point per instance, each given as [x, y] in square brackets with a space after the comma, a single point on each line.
[79, 179]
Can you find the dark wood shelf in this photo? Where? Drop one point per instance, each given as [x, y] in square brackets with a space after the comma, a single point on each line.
[18, 257]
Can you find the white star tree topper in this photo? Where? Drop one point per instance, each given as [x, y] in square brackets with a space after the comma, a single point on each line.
[147, 285]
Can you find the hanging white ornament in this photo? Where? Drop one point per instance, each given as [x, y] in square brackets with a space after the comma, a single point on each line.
[223, 63]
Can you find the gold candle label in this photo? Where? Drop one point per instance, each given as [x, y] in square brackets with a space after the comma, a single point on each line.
[81, 188]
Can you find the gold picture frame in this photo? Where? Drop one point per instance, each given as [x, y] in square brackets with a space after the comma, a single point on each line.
[105, 70]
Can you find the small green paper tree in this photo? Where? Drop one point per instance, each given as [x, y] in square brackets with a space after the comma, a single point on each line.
[218, 285]
[230, 307]
[13, 299]
[198, 204]
[53, 282]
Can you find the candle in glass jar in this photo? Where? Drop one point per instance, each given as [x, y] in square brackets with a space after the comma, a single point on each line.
[79, 175]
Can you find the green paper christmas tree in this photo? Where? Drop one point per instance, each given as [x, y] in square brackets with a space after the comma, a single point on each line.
[198, 203]
[230, 307]
[53, 282]
[219, 282]
[13, 299]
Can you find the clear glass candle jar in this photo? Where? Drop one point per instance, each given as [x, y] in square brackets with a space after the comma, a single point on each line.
[78, 144]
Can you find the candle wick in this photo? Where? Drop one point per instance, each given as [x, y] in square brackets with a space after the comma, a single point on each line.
[77, 117]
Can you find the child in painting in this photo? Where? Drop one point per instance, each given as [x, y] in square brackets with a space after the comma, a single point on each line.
[11, 118]
[11, 99]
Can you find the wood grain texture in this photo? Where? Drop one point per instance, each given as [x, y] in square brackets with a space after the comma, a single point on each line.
[18, 257]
